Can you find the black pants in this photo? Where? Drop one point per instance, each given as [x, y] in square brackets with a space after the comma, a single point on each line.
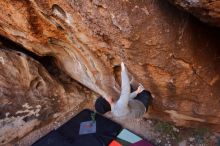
[144, 97]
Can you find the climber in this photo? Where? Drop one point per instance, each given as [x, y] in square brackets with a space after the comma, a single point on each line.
[129, 105]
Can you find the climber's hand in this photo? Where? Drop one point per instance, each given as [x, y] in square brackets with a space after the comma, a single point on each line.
[140, 89]
[110, 101]
[122, 66]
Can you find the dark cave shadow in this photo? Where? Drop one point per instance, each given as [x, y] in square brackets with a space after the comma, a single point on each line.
[48, 61]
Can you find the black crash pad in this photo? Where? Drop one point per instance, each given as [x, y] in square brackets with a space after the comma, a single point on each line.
[68, 134]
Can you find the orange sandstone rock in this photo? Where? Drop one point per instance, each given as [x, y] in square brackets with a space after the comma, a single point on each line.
[173, 55]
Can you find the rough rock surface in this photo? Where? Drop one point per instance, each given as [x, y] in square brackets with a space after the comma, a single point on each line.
[30, 97]
[173, 55]
[206, 10]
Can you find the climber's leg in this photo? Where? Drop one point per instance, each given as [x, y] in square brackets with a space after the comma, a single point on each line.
[102, 106]
[145, 97]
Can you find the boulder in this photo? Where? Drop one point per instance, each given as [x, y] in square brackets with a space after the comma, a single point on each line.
[28, 95]
[30, 98]
[206, 10]
[175, 57]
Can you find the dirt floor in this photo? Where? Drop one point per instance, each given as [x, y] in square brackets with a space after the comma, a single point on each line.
[164, 134]
[157, 132]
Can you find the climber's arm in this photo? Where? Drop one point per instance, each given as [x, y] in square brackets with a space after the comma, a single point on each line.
[125, 87]
[135, 93]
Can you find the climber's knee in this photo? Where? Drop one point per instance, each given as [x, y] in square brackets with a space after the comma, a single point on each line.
[102, 106]
[145, 97]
